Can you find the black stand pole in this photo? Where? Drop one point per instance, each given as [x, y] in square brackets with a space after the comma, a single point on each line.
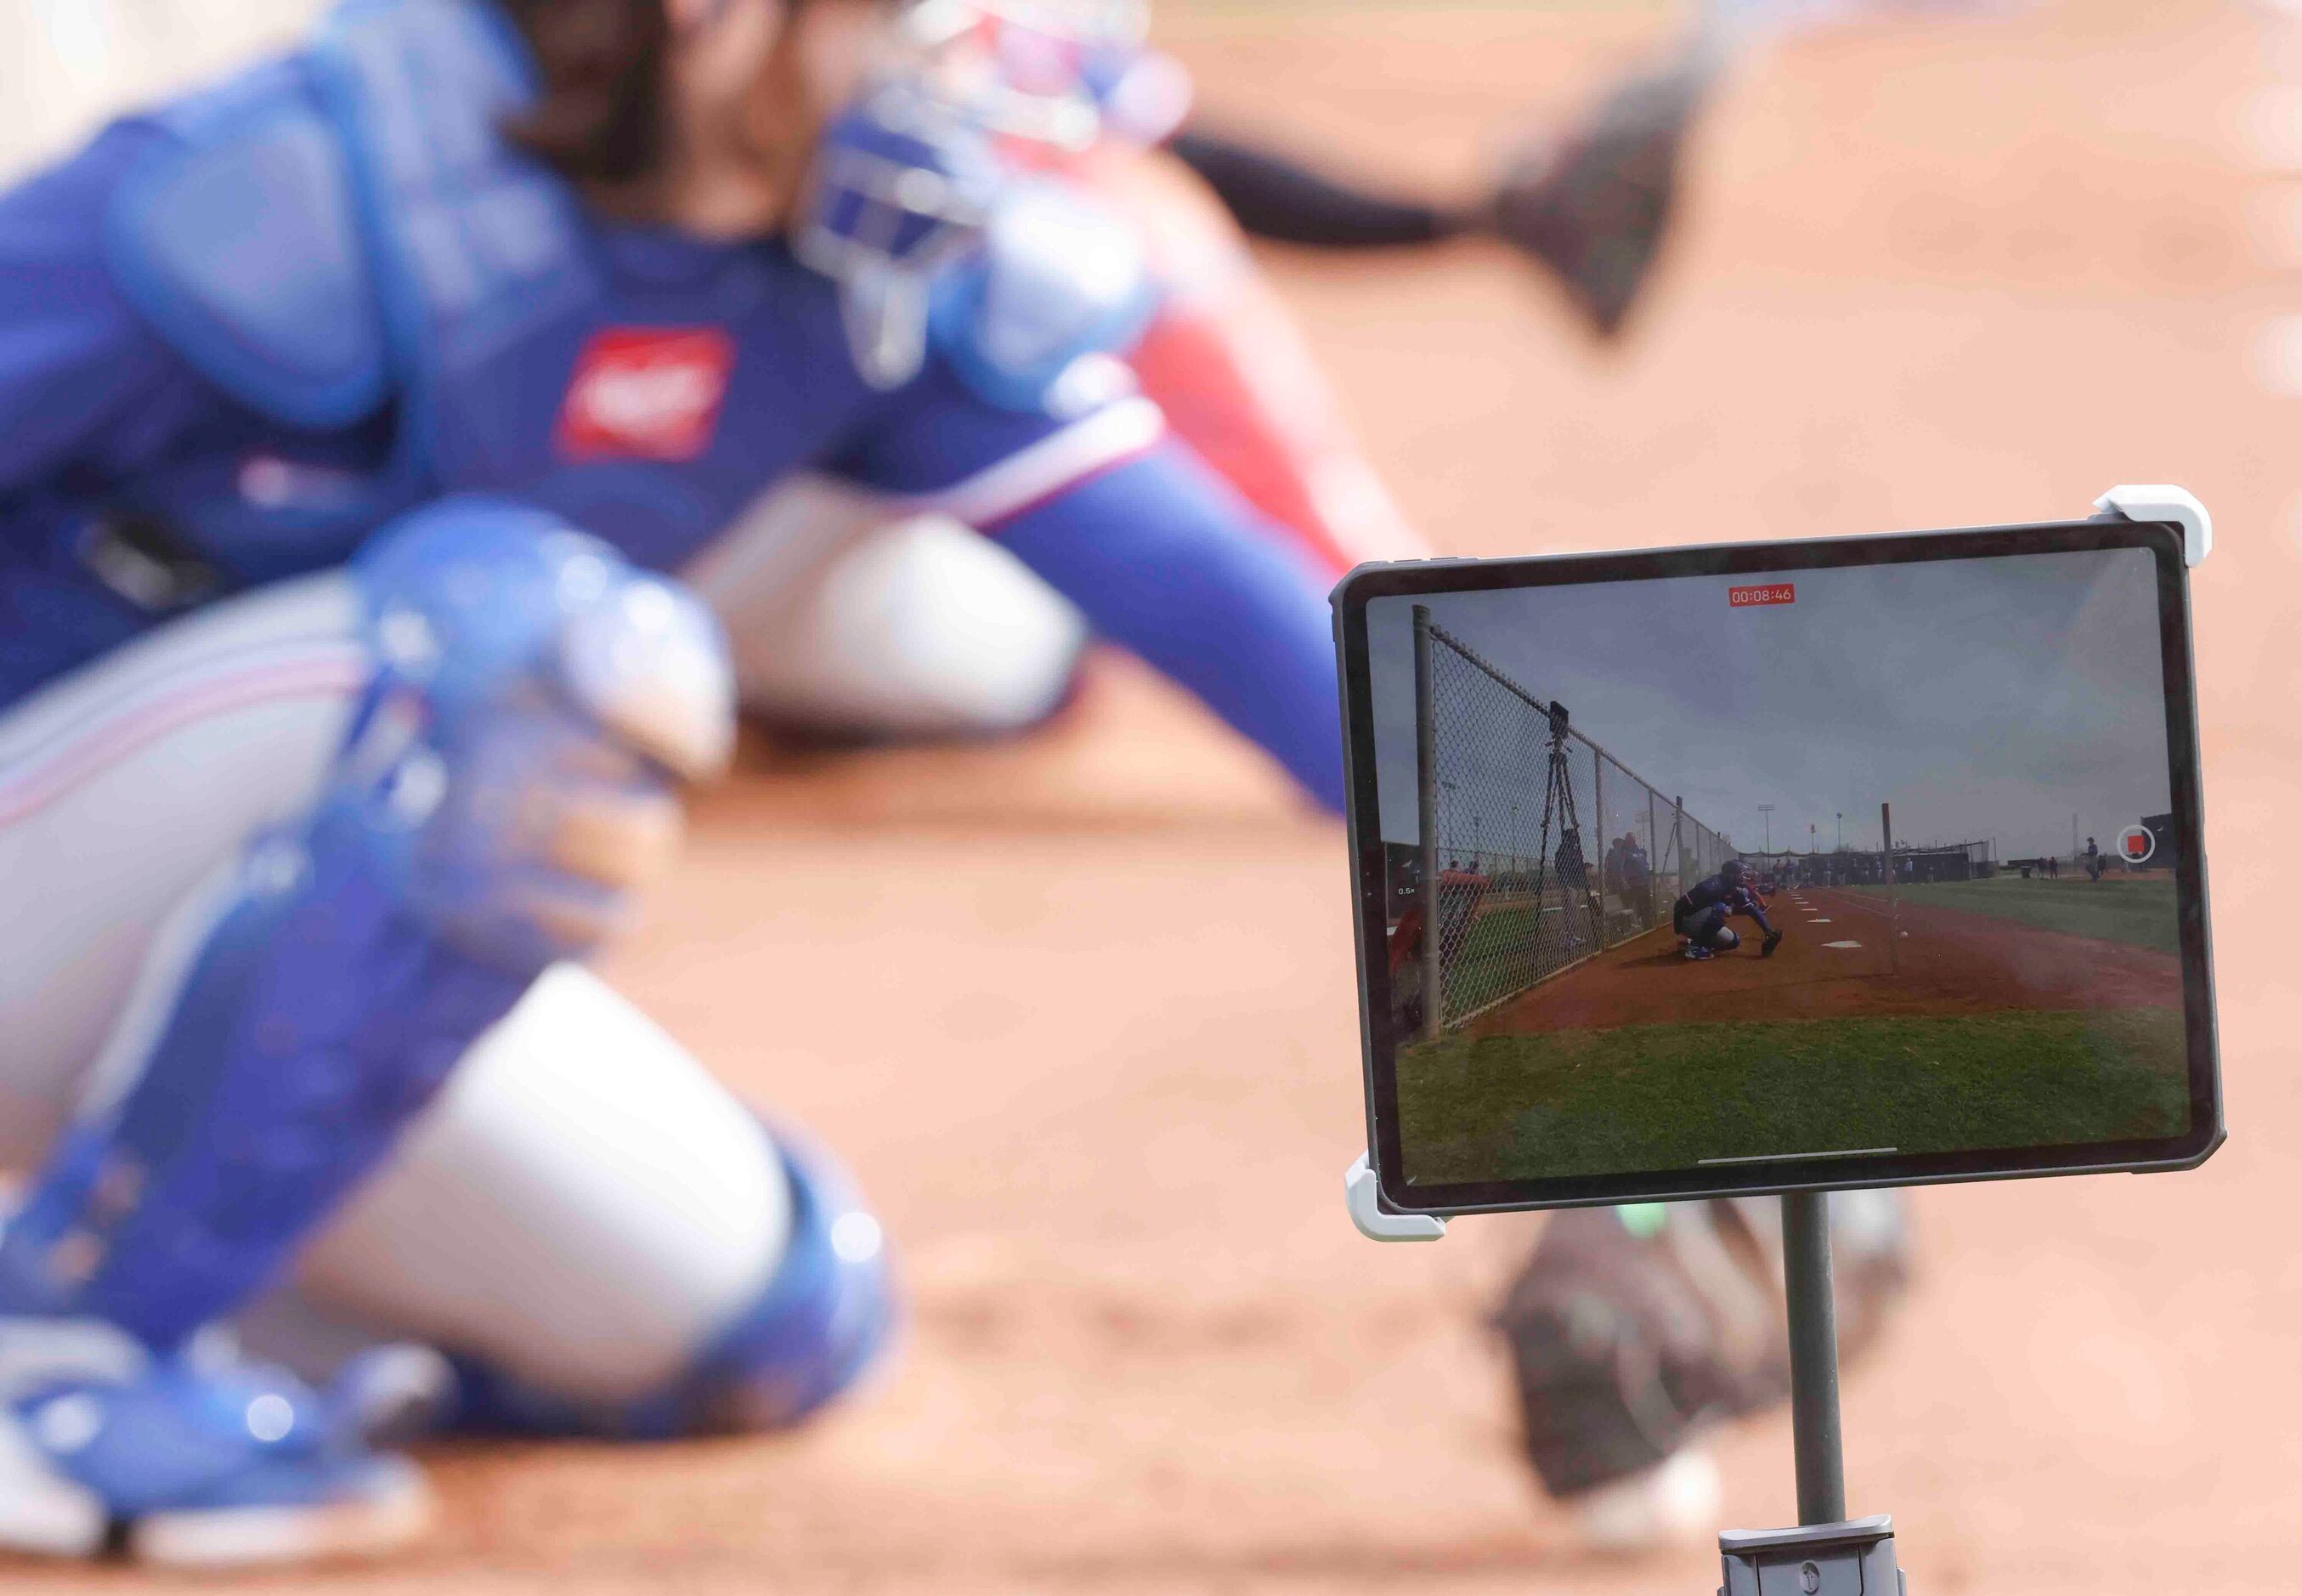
[1829, 1554]
[1814, 1357]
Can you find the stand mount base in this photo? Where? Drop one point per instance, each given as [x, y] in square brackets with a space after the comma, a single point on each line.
[1853, 1558]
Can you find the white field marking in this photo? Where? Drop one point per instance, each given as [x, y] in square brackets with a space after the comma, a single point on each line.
[1841, 944]
[1817, 923]
[2278, 355]
[2269, 127]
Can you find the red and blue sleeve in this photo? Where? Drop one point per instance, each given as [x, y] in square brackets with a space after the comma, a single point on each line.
[1158, 552]
[1164, 559]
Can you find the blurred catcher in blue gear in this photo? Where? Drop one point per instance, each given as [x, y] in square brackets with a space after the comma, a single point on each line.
[358, 416]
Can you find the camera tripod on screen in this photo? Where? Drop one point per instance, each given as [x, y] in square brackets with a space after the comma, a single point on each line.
[1569, 864]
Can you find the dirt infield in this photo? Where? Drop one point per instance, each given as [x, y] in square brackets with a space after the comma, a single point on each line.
[1081, 1012]
[1835, 961]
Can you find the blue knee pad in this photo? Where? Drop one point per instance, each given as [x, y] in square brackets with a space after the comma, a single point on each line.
[819, 1323]
[542, 697]
[507, 781]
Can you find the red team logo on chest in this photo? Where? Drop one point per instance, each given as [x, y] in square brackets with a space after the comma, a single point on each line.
[646, 393]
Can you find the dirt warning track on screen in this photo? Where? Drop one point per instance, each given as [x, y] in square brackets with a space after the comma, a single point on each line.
[1835, 959]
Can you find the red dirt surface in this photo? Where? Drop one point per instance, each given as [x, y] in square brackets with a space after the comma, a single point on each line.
[1948, 962]
[1081, 1012]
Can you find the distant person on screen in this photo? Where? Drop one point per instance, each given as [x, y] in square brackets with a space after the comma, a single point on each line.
[1574, 879]
[1633, 880]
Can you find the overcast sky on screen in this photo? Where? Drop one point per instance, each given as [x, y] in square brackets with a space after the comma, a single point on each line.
[1984, 699]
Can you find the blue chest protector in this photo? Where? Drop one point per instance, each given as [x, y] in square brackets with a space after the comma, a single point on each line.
[344, 239]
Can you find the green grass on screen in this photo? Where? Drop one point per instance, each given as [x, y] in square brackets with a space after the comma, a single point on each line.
[1667, 1096]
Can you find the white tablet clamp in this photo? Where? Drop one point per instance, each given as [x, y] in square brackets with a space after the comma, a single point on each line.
[2162, 501]
[1829, 1554]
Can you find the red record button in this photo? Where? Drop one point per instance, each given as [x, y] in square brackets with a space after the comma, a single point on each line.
[2137, 843]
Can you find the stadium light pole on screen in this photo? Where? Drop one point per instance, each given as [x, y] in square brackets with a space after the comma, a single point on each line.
[1767, 817]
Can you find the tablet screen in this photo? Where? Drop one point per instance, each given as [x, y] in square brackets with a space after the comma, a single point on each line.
[1692, 877]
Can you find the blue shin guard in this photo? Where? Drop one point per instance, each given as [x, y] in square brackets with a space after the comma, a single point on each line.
[317, 1019]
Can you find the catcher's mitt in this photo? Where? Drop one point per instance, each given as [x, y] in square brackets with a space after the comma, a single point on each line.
[1626, 1344]
[1766, 948]
[1594, 208]
[1632, 1331]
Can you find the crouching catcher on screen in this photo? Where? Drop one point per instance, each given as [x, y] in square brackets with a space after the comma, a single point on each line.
[1702, 912]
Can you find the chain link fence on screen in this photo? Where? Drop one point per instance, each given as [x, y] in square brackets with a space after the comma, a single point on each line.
[1538, 849]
